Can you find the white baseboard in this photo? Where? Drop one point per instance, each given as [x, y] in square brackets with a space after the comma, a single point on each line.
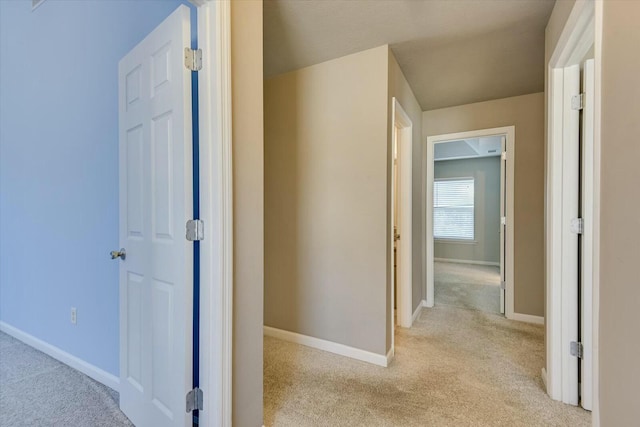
[390, 355]
[465, 261]
[424, 303]
[543, 373]
[330, 346]
[416, 313]
[86, 368]
[538, 320]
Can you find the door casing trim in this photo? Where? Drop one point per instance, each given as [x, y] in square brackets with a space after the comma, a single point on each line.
[510, 133]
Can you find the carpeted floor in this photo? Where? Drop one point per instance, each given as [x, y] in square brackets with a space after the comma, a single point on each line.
[476, 287]
[37, 390]
[454, 367]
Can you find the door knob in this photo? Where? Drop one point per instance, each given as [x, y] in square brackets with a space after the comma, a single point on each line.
[119, 254]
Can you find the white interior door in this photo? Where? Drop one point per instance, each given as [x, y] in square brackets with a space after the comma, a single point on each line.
[570, 243]
[586, 239]
[503, 222]
[403, 130]
[156, 199]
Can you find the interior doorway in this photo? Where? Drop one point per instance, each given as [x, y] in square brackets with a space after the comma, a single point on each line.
[469, 219]
[197, 320]
[572, 231]
[401, 217]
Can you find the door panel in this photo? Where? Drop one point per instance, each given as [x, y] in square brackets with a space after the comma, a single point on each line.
[156, 192]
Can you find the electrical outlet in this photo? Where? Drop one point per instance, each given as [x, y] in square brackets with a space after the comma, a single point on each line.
[74, 315]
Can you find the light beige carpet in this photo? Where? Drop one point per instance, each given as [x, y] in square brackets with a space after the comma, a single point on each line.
[455, 367]
[475, 287]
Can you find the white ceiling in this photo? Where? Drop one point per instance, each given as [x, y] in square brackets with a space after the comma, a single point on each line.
[452, 52]
[486, 146]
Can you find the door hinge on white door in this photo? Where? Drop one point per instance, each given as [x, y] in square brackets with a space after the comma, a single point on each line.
[193, 59]
[577, 225]
[503, 285]
[195, 230]
[503, 156]
[195, 400]
[577, 102]
[576, 349]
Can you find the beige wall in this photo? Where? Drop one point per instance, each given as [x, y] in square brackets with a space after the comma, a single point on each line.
[248, 231]
[526, 113]
[399, 87]
[620, 217]
[326, 200]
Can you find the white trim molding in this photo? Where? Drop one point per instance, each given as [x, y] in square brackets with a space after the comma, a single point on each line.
[597, 107]
[467, 261]
[528, 318]
[582, 30]
[100, 375]
[416, 313]
[330, 346]
[216, 210]
[390, 355]
[510, 133]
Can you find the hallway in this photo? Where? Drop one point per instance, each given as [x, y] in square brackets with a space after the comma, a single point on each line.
[476, 287]
[454, 367]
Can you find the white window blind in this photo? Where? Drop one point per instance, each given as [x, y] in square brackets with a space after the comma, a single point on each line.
[453, 209]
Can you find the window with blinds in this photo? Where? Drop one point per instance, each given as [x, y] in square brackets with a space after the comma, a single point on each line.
[453, 209]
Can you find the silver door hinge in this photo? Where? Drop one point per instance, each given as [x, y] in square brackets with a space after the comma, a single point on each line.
[193, 59]
[503, 285]
[195, 230]
[577, 226]
[503, 220]
[577, 102]
[195, 400]
[576, 349]
[503, 156]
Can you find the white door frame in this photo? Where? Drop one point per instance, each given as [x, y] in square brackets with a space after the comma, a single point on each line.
[216, 210]
[586, 247]
[582, 30]
[510, 133]
[402, 132]
[503, 226]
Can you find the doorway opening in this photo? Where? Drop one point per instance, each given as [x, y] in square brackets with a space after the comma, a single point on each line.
[469, 220]
[401, 235]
